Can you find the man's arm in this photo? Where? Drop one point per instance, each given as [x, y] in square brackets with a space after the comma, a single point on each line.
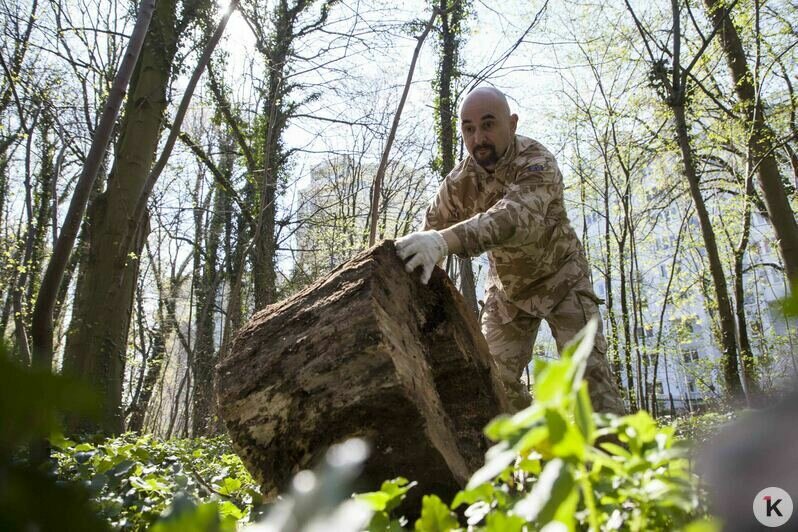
[517, 218]
[427, 248]
[443, 211]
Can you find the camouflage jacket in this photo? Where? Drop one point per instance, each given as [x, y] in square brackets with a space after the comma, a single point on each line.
[517, 215]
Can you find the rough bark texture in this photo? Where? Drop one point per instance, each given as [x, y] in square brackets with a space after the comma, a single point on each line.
[367, 351]
[97, 337]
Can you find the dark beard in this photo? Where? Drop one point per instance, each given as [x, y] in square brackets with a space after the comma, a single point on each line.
[491, 159]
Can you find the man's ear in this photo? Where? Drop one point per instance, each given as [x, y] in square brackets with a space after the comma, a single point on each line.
[513, 122]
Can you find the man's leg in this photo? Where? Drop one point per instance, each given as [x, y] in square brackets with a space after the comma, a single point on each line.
[567, 319]
[510, 345]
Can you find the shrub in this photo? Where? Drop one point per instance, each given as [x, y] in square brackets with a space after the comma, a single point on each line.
[557, 465]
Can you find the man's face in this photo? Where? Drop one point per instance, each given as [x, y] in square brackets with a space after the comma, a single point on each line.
[488, 128]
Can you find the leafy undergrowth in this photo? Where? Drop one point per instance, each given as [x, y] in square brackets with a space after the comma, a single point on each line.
[557, 465]
[134, 480]
[700, 428]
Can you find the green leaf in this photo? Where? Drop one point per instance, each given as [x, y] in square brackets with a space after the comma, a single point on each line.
[228, 509]
[494, 467]
[483, 492]
[565, 440]
[554, 487]
[435, 516]
[391, 495]
[229, 486]
[553, 382]
[583, 414]
[501, 522]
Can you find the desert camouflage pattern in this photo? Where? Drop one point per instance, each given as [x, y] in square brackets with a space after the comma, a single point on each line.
[537, 263]
[511, 346]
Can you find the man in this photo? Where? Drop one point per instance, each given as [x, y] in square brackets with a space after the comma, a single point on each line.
[506, 198]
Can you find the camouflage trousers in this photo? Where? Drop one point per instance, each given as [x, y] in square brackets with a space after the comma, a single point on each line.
[512, 343]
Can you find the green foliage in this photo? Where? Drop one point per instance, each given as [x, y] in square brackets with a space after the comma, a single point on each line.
[700, 428]
[136, 479]
[789, 305]
[558, 463]
[30, 404]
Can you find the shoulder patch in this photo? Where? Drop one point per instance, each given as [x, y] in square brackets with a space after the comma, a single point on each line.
[536, 168]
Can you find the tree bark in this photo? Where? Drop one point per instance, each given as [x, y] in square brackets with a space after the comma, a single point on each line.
[761, 143]
[725, 314]
[207, 276]
[753, 392]
[322, 366]
[97, 336]
[452, 13]
[272, 157]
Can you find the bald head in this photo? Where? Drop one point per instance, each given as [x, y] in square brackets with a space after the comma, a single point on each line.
[487, 96]
[487, 125]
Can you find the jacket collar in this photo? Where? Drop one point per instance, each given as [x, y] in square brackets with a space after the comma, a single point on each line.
[499, 174]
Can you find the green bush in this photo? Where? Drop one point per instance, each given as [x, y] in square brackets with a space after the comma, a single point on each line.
[558, 465]
[134, 480]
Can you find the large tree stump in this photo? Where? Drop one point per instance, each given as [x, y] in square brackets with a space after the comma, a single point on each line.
[367, 351]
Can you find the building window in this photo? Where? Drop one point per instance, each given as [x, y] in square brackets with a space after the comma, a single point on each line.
[659, 389]
[690, 356]
[663, 270]
[691, 386]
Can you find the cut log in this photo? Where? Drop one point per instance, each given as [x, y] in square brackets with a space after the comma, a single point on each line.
[367, 351]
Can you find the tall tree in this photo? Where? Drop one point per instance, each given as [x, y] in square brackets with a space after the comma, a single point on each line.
[453, 14]
[97, 336]
[762, 144]
[275, 42]
[672, 83]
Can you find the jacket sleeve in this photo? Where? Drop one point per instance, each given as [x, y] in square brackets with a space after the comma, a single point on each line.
[442, 212]
[517, 219]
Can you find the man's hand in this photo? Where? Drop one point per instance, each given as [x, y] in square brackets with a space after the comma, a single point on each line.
[423, 248]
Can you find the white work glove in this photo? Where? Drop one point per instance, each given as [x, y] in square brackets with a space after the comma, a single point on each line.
[427, 248]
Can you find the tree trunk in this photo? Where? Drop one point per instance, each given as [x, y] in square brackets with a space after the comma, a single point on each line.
[207, 287]
[725, 314]
[321, 366]
[97, 336]
[452, 13]
[272, 156]
[751, 387]
[627, 334]
[761, 142]
[612, 343]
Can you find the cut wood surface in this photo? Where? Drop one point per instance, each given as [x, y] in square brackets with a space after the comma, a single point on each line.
[366, 351]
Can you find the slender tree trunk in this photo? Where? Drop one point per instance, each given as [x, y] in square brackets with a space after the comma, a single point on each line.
[452, 13]
[731, 376]
[660, 330]
[204, 358]
[386, 152]
[272, 156]
[761, 142]
[627, 334]
[638, 328]
[615, 355]
[751, 387]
